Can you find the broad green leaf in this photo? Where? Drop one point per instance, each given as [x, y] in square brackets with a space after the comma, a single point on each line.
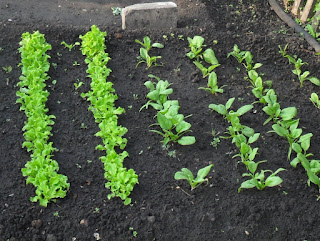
[197, 41]
[210, 57]
[221, 109]
[185, 173]
[252, 166]
[305, 141]
[144, 53]
[183, 126]
[164, 123]
[280, 130]
[247, 184]
[247, 131]
[187, 140]
[257, 65]
[288, 113]
[295, 162]
[315, 80]
[253, 154]
[203, 172]
[212, 79]
[229, 103]
[296, 147]
[273, 181]
[158, 45]
[244, 109]
[253, 138]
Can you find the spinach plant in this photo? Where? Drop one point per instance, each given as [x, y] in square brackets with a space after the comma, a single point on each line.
[196, 45]
[173, 125]
[186, 174]
[144, 52]
[41, 170]
[245, 58]
[298, 63]
[213, 84]
[102, 99]
[315, 100]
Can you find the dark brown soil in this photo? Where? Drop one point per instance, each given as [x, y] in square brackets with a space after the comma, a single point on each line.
[161, 209]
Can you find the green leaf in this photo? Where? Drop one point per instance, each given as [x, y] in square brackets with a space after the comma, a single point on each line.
[315, 81]
[273, 181]
[221, 109]
[296, 147]
[143, 53]
[185, 173]
[210, 57]
[257, 65]
[252, 166]
[203, 172]
[164, 123]
[281, 131]
[295, 162]
[247, 184]
[158, 45]
[183, 126]
[288, 113]
[305, 141]
[187, 140]
[253, 138]
[229, 103]
[244, 109]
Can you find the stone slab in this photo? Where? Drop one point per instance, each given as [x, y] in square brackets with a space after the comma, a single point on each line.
[159, 15]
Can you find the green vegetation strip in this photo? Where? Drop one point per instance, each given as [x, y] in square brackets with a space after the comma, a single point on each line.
[102, 97]
[285, 124]
[41, 170]
[243, 136]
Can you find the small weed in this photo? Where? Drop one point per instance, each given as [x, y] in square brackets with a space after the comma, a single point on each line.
[116, 11]
[96, 210]
[78, 84]
[134, 233]
[75, 63]
[135, 96]
[56, 214]
[7, 69]
[83, 126]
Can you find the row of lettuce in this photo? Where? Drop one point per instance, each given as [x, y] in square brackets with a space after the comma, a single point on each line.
[42, 170]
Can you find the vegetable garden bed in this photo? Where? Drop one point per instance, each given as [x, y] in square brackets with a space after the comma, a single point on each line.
[163, 208]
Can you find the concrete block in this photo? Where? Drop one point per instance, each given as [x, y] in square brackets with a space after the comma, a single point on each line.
[159, 15]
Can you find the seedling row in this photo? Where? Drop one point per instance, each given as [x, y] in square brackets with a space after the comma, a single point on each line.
[171, 125]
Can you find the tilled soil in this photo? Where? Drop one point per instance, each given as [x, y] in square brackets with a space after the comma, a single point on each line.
[163, 208]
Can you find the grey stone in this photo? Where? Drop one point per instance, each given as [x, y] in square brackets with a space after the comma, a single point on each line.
[159, 15]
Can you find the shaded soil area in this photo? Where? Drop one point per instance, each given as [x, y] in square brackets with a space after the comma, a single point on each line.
[163, 209]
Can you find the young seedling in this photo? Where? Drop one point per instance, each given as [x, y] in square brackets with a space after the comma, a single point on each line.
[298, 63]
[196, 45]
[213, 87]
[69, 46]
[186, 174]
[258, 180]
[172, 123]
[7, 69]
[144, 52]
[315, 100]
[244, 57]
[116, 11]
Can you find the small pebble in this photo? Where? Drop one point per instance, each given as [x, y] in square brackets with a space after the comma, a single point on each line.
[36, 223]
[151, 219]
